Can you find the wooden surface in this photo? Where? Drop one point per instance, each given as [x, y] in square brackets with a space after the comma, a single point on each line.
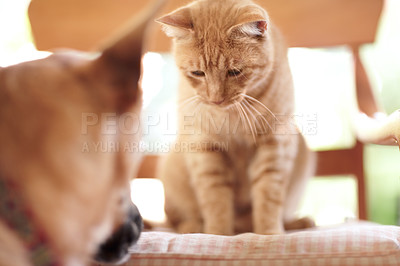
[346, 162]
[364, 93]
[310, 23]
[84, 24]
[79, 24]
[148, 167]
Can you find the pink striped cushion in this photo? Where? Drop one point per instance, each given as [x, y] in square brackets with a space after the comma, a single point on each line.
[350, 244]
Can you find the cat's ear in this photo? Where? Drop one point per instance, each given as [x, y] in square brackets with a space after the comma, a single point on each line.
[253, 23]
[177, 24]
[254, 28]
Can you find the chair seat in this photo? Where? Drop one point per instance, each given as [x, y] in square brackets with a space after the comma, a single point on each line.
[356, 243]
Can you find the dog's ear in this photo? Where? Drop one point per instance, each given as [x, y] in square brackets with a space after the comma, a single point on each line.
[125, 44]
[120, 58]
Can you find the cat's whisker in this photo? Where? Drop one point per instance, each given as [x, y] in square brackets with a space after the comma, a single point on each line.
[252, 110]
[189, 102]
[241, 117]
[188, 99]
[260, 115]
[261, 104]
[235, 73]
[189, 108]
[236, 78]
[198, 106]
[245, 77]
[241, 73]
[245, 122]
[248, 122]
[231, 107]
[250, 113]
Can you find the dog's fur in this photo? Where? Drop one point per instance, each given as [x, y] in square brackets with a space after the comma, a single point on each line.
[76, 195]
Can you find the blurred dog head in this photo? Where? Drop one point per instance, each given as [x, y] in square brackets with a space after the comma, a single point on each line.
[68, 123]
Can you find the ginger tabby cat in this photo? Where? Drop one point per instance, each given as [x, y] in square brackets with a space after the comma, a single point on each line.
[239, 163]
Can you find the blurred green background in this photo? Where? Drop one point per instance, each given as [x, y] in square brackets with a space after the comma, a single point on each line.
[382, 60]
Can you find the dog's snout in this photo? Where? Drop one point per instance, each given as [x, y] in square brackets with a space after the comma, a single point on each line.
[116, 249]
[134, 215]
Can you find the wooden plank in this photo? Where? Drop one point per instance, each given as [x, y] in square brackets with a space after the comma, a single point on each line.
[346, 162]
[365, 96]
[148, 167]
[308, 23]
[78, 24]
[311, 23]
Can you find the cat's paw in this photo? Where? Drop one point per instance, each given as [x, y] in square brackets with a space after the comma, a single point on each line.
[273, 228]
[189, 227]
[219, 229]
[215, 231]
[301, 223]
[271, 232]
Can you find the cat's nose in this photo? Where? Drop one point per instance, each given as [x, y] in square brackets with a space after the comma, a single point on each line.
[218, 102]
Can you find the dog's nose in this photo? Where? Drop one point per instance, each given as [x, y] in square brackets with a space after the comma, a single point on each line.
[116, 249]
[134, 222]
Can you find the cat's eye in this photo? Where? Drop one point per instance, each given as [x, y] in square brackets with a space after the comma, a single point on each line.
[234, 72]
[198, 73]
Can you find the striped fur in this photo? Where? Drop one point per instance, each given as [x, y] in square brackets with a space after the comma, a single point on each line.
[242, 165]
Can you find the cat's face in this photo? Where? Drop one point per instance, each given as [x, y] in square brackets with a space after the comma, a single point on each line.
[222, 56]
[221, 76]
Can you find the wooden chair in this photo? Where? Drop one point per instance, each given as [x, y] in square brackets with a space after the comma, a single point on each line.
[86, 24]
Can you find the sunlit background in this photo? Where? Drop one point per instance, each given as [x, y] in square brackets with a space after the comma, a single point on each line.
[323, 74]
